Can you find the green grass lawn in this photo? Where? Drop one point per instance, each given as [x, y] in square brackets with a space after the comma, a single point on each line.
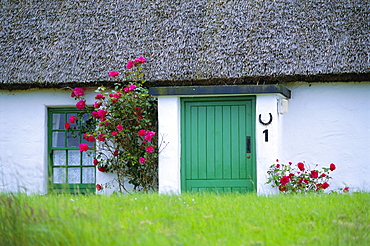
[187, 219]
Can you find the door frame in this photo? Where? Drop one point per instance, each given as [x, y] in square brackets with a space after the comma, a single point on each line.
[268, 100]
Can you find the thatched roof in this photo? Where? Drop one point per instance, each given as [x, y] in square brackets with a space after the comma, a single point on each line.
[52, 42]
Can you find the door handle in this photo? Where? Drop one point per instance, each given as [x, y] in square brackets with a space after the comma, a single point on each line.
[248, 144]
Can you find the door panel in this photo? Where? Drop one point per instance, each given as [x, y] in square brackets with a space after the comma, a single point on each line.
[214, 134]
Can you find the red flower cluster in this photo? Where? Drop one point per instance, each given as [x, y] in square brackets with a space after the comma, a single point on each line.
[149, 149]
[101, 137]
[290, 178]
[302, 180]
[78, 92]
[72, 119]
[301, 166]
[148, 135]
[100, 114]
[314, 174]
[141, 133]
[129, 88]
[89, 138]
[139, 113]
[113, 73]
[81, 104]
[119, 127]
[284, 180]
[99, 96]
[322, 186]
[83, 147]
[102, 169]
[115, 96]
[134, 63]
[97, 104]
[332, 167]
[282, 187]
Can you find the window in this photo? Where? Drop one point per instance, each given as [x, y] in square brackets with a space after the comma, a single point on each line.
[69, 169]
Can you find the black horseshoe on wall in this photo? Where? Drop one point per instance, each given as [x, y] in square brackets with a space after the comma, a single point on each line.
[268, 123]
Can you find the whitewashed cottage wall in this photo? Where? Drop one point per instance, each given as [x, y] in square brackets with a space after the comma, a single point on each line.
[23, 145]
[325, 123]
[330, 122]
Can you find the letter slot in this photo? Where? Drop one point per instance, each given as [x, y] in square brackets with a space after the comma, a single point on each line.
[248, 143]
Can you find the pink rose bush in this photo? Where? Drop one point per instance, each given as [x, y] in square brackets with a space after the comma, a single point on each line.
[124, 127]
[299, 178]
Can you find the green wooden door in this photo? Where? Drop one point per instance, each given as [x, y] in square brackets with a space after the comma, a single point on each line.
[218, 147]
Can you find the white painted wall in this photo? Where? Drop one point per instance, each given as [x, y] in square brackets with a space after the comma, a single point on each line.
[330, 122]
[23, 129]
[169, 158]
[326, 122]
[267, 151]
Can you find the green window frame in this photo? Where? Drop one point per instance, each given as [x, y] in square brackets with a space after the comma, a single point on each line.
[69, 170]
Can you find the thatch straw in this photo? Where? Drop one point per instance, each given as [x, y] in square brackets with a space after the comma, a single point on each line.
[185, 41]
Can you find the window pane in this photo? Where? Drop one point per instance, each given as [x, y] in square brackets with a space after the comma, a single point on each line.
[74, 175]
[58, 121]
[88, 158]
[73, 157]
[59, 175]
[58, 139]
[81, 169]
[88, 175]
[73, 139]
[59, 157]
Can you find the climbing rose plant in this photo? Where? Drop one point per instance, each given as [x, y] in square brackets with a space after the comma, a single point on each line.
[123, 126]
[298, 178]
